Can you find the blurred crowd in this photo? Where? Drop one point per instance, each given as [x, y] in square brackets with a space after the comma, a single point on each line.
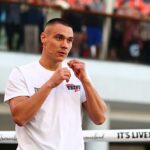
[24, 23]
[20, 23]
[129, 40]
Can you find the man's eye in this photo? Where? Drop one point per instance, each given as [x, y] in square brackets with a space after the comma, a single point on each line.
[70, 40]
[59, 38]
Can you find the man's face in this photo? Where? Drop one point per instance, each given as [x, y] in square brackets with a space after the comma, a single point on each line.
[57, 41]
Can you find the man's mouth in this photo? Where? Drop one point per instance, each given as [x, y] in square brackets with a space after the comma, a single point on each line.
[62, 53]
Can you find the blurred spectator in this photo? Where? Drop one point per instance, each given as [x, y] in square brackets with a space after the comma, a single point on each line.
[126, 10]
[79, 4]
[131, 32]
[33, 19]
[35, 16]
[2, 27]
[75, 19]
[98, 5]
[145, 35]
[62, 3]
[13, 27]
[93, 23]
[115, 42]
[2, 17]
[135, 48]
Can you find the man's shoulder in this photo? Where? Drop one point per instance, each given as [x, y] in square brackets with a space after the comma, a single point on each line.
[25, 67]
[28, 65]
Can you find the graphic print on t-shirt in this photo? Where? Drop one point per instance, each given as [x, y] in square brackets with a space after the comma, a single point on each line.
[36, 89]
[71, 86]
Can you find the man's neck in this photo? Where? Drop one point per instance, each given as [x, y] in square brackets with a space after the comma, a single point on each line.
[49, 65]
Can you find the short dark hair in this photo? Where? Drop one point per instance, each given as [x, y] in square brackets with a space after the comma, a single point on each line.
[58, 20]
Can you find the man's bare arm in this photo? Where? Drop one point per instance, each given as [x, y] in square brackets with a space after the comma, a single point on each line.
[24, 108]
[94, 104]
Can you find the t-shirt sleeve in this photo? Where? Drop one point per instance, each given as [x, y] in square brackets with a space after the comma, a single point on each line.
[16, 85]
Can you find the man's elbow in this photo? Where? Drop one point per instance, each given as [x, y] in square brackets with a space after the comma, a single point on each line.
[19, 121]
[100, 120]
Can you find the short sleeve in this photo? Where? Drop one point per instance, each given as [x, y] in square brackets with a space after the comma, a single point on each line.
[16, 85]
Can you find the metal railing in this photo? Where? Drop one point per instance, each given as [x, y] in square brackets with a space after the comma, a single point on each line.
[130, 135]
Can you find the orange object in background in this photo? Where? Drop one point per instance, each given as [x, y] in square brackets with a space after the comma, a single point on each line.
[143, 7]
[84, 2]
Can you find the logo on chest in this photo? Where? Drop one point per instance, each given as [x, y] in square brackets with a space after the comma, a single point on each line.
[76, 88]
[36, 89]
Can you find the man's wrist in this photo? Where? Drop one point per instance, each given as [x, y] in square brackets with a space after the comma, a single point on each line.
[85, 80]
[49, 85]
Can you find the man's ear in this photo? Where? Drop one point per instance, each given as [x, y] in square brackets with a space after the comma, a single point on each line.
[43, 37]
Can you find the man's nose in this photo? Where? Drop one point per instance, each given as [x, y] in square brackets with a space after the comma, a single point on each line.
[64, 44]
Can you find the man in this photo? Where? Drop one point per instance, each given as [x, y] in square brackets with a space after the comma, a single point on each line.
[45, 97]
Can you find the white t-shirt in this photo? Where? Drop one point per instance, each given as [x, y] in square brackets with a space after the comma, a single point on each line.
[58, 123]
